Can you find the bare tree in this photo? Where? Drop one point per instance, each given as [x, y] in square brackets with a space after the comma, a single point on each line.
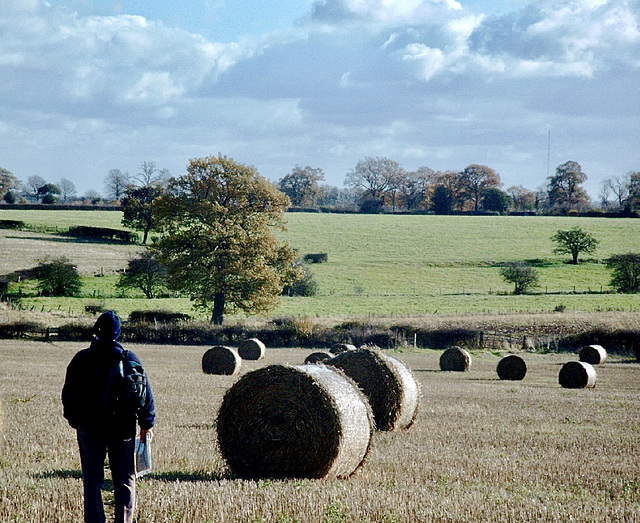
[375, 176]
[116, 183]
[34, 183]
[414, 186]
[149, 175]
[67, 189]
[618, 186]
[523, 198]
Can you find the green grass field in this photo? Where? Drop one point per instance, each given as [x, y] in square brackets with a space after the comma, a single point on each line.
[378, 265]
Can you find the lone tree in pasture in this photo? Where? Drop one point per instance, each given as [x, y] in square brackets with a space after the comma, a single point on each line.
[573, 242]
[217, 238]
[626, 272]
[521, 274]
[301, 185]
[145, 273]
[137, 208]
[57, 277]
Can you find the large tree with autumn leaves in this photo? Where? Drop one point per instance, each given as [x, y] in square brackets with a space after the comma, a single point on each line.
[217, 238]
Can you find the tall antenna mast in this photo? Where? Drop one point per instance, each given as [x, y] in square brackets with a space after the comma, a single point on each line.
[548, 152]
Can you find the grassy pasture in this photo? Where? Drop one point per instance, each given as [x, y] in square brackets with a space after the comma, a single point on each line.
[480, 450]
[377, 264]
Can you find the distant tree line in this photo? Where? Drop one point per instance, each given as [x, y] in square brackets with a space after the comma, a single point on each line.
[383, 185]
[373, 185]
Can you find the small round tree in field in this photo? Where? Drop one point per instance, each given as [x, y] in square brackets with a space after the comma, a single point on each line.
[145, 273]
[573, 242]
[522, 275]
[57, 277]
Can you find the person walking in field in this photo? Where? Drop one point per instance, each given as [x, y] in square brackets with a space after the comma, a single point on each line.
[104, 400]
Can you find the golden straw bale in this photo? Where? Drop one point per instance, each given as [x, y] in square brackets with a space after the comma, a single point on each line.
[389, 386]
[339, 348]
[317, 357]
[455, 359]
[252, 349]
[221, 360]
[511, 367]
[577, 375]
[307, 421]
[593, 354]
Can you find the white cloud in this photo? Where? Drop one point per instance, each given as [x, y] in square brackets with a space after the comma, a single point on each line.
[429, 82]
[384, 11]
[64, 58]
[431, 60]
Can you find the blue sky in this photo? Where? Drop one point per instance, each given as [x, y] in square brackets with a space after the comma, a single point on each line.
[93, 85]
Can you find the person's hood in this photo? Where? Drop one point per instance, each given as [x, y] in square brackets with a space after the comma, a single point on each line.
[108, 326]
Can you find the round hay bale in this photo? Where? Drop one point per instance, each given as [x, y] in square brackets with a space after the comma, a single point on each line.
[511, 367]
[316, 357]
[388, 385]
[308, 421]
[252, 349]
[577, 375]
[593, 354]
[221, 360]
[455, 359]
[339, 348]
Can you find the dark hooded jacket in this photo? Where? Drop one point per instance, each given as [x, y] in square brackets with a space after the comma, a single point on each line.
[84, 394]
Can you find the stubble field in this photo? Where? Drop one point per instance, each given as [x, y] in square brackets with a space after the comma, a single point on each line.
[480, 449]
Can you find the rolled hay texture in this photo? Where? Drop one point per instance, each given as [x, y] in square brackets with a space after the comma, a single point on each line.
[252, 349]
[317, 357]
[389, 386]
[339, 348]
[577, 375]
[593, 354]
[221, 360]
[512, 367]
[455, 359]
[307, 421]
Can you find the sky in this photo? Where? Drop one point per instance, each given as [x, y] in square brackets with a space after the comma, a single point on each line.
[87, 86]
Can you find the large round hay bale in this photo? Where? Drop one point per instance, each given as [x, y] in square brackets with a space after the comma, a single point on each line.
[339, 348]
[577, 375]
[308, 421]
[221, 360]
[317, 357]
[388, 385]
[511, 367]
[455, 359]
[593, 354]
[252, 349]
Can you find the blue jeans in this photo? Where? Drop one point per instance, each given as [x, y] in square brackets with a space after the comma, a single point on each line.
[93, 450]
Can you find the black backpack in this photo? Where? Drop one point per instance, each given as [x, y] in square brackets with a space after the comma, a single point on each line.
[127, 388]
